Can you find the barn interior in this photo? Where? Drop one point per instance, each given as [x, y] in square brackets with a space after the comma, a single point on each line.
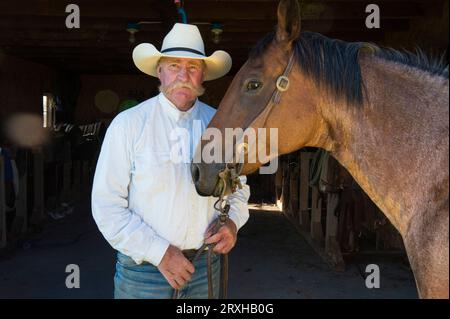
[74, 80]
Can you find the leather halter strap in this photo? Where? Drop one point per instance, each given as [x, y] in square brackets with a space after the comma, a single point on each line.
[282, 85]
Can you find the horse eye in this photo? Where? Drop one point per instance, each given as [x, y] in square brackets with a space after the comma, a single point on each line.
[253, 85]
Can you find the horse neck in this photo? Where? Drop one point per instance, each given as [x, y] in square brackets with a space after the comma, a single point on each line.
[396, 144]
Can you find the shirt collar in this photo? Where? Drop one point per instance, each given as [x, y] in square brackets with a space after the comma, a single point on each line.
[173, 112]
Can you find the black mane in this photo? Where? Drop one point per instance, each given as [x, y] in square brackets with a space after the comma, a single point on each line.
[333, 64]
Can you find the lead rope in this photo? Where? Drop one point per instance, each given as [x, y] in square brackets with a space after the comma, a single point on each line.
[229, 178]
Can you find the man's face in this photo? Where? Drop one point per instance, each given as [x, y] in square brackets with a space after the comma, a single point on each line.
[181, 80]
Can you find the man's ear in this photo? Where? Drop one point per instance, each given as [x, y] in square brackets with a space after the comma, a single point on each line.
[205, 70]
[288, 28]
[158, 66]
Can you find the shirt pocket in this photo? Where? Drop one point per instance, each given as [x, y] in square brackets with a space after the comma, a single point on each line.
[152, 171]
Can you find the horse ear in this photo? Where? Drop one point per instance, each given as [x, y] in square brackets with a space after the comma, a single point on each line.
[288, 28]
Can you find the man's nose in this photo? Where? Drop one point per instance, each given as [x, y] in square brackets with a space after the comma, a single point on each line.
[182, 73]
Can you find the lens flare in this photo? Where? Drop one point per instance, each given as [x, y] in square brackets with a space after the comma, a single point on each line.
[25, 130]
[107, 101]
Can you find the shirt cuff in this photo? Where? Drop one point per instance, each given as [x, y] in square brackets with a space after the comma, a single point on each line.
[236, 218]
[157, 250]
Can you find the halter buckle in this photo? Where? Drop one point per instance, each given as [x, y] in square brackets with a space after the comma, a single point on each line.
[282, 83]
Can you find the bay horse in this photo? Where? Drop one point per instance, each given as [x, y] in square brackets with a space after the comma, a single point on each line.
[383, 114]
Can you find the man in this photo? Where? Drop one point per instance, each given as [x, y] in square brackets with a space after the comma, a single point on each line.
[143, 202]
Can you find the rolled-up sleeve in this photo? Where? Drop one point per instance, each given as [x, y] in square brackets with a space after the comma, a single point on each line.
[238, 200]
[122, 228]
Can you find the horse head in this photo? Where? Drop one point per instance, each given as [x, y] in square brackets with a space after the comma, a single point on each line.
[260, 97]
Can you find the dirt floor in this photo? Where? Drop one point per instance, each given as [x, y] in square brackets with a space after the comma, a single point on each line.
[270, 261]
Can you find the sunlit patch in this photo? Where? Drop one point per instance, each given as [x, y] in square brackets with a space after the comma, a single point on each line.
[107, 101]
[25, 130]
[280, 204]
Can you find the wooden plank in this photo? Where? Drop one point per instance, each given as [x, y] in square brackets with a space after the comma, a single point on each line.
[285, 192]
[88, 8]
[279, 186]
[203, 9]
[294, 182]
[22, 198]
[85, 175]
[154, 29]
[2, 205]
[304, 219]
[104, 43]
[332, 248]
[76, 182]
[323, 10]
[316, 216]
[37, 216]
[67, 182]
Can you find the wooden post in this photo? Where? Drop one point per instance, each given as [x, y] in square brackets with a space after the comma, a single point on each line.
[286, 191]
[2, 205]
[38, 181]
[332, 248]
[85, 175]
[316, 216]
[304, 219]
[294, 181]
[279, 185]
[22, 198]
[76, 186]
[67, 181]
[92, 167]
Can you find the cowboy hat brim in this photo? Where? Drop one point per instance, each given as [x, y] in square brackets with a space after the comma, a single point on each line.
[146, 57]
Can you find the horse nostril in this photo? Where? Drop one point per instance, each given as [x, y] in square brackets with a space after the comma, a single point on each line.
[195, 172]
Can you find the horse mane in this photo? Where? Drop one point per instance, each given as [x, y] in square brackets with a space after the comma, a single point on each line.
[333, 64]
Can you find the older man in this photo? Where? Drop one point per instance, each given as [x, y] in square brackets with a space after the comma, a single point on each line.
[143, 201]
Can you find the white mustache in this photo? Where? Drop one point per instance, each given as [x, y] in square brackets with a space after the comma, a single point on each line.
[197, 90]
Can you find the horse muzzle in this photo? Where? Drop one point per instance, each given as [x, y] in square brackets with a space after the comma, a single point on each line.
[206, 178]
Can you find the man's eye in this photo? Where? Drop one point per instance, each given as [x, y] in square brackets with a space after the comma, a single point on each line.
[253, 85]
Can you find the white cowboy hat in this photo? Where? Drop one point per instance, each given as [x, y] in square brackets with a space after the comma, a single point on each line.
[183, 41]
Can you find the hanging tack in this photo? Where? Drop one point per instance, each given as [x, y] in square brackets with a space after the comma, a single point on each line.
[181, 10]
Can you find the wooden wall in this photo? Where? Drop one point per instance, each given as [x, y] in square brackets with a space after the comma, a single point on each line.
[22, 84]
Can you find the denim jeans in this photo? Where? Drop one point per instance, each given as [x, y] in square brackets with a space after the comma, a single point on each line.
[145, 281]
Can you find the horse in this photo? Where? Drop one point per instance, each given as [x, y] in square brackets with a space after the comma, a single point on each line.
[381, 113]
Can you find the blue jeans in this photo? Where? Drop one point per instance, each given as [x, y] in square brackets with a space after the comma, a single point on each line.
[145, 281]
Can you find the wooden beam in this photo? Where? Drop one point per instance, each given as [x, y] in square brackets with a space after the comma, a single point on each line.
[207, 11]
[148, 9]
[324, 10]
[120, 40]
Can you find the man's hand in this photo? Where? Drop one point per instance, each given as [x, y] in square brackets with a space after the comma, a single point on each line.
[225, 238]
[176, 268]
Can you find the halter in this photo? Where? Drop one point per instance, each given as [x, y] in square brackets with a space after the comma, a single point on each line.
[281, 85]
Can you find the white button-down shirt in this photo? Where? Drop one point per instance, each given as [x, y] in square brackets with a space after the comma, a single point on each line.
[143, 200]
